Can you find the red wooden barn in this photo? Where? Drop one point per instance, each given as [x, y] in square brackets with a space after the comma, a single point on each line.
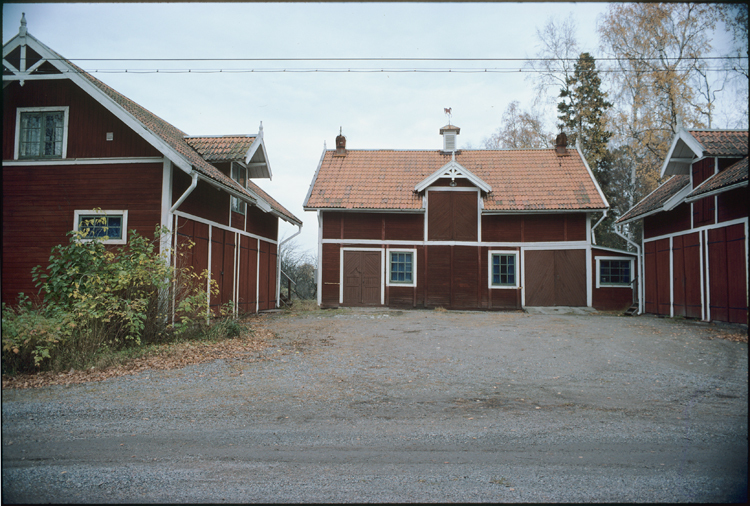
[462, 229]
[73, 147]
[695, 229]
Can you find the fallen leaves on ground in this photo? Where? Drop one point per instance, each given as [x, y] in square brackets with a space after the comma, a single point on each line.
[173, 356]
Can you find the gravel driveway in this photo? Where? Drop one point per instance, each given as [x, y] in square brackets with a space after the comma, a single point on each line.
[415, 406]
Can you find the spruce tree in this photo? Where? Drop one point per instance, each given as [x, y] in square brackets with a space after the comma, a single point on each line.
[582, 113]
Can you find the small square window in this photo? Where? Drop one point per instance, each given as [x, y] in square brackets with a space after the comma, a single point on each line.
[614, 272]
[402, 270]
[108, 226]
[503, 269]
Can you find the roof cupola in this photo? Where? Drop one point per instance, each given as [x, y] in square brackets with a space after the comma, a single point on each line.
[340, 143]
[449, 133]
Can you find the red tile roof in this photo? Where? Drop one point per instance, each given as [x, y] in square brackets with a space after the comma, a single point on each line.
[225, 148]
[521, 180]
[722, 142]
[732, 175]
[656, 199]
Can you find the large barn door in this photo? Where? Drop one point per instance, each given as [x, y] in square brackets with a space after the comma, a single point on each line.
[555, 278]
[686, 275]
[362, 278]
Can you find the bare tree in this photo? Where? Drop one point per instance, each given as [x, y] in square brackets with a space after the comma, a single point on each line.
[519, 130]
[557, 53]
[299, 266]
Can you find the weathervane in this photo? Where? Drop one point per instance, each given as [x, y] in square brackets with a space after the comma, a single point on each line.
[448, 113]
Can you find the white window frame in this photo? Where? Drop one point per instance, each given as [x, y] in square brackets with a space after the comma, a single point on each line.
[413, 281]
[99, 212]
[17, 147]
[237, 205]
[599, 284]
[516, 276]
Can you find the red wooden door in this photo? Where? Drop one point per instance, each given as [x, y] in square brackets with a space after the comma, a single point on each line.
[686, 275]
[452, 216]
[362, 278]
[540, 278]
[727, 274]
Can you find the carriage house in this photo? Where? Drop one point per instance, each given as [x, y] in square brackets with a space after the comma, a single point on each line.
[74, 148]
[695, 229]
[463, 229]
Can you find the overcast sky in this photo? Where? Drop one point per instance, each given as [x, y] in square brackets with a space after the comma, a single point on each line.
[301, 111]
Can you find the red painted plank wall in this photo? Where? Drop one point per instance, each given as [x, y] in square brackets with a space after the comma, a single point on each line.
[686, 275]
[611, 298]
[88, 121]
[727, 265]
[378, 226]
[669, 222]
[535, 227]
[39, 205]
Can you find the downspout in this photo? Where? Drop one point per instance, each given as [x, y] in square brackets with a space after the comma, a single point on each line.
[593, 237]
[278, 264]
[640, 268]
[172, 209]
[190, 189]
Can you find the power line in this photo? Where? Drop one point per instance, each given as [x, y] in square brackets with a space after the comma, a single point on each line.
[367, 59]
[367, 70]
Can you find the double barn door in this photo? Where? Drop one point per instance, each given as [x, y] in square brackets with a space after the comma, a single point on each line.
[362, 276]
[555, 278]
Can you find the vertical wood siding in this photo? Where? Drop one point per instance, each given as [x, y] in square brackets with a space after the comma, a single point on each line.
[686, 275]
[728, 274]
[452, 216]
[529, 228]
[555, 277]
[669, 222]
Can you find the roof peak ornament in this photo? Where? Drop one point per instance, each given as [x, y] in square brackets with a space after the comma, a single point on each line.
[22, 30]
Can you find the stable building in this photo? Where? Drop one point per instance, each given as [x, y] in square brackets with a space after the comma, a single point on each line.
[463, 229]
[74, 148]
[695, 229]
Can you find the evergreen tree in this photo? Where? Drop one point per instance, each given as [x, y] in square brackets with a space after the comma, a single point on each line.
[582, 114]
[582, 110]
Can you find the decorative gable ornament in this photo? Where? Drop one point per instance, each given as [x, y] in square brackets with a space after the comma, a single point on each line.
[453, 170]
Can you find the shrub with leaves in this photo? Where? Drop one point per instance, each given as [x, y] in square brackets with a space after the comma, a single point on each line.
[99, 298]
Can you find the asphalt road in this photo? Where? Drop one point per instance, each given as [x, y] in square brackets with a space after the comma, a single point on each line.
[418, 406]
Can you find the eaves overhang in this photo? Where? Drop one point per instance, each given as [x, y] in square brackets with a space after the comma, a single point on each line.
[717, 191]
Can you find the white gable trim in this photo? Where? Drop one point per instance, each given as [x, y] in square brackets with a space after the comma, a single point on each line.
[453, 170]
[676, 165]
[97, 94]
[676, 199]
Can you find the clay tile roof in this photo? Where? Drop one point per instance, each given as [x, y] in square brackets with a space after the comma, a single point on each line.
[656, 199]
[732, 175]
[521, 180]
[722, 142]
[225, 148]
[176, 139]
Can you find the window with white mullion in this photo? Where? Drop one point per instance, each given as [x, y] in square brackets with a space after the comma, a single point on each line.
[41, 133]
[239, 174]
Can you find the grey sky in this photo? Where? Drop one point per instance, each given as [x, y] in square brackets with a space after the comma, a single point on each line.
[301, 111]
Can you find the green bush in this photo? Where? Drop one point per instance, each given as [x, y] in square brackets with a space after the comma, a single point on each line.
[99, 299]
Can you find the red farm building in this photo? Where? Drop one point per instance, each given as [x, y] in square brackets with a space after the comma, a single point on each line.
[463, 229]
[695, 229]
[74, 147]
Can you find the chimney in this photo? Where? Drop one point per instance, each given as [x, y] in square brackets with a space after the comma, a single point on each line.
[449, 133]
[340, 144]
[561, 144]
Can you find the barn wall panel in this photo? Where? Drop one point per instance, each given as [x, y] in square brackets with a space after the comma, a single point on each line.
[39, 203]
[262, 224]
[440, 216]
[465, 216]
[363, 226]
[332, 224]
[330, 275]
[611, 298]
[570, 278]
[662, 273]
[502, 228]
[543, 227]
[204, 201]
[539, 272]
[733, 204]
[438, 276]
[465, 283]
[668, 222]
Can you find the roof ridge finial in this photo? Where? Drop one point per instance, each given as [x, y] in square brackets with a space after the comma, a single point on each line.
[22, 29]
[448, 113]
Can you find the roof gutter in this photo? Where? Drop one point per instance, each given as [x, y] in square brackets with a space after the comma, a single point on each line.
[278, 264]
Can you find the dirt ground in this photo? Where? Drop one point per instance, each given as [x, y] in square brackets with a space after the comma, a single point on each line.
[403, 406]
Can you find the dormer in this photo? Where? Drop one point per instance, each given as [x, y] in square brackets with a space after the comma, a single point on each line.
[449, 133]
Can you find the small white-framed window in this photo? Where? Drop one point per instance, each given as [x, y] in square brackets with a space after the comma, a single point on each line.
[402, 267]
[503, 269]
[41, 133]
[239, 174]
[110, 226]
[614, 272]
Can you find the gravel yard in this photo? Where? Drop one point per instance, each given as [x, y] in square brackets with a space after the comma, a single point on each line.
[404, 406]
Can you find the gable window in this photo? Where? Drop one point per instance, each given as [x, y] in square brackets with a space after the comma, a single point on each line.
[109, 226]
[503, 271]
[239, 174]
[613, 271]
[401, 265]
[41, 132]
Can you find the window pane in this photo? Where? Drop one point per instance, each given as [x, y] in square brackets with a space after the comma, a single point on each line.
[401, 267]
[503, 270]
